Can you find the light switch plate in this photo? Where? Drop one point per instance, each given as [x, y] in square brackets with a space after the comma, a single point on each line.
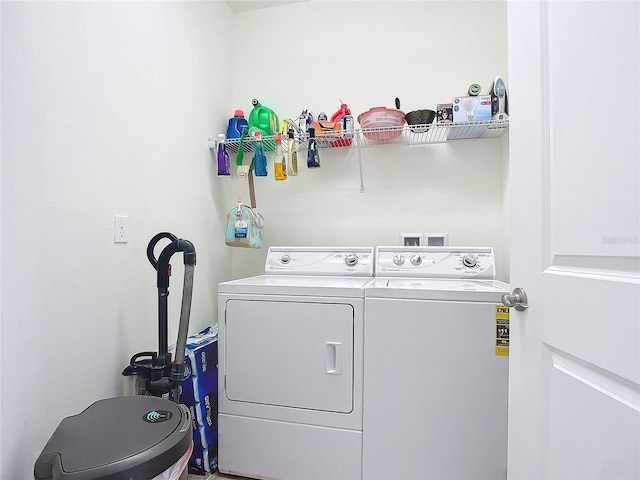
[120, 229]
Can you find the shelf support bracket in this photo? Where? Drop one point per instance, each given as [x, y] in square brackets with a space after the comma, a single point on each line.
[360, 163]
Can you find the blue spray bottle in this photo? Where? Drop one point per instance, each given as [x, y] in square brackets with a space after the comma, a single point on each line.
[259, 158]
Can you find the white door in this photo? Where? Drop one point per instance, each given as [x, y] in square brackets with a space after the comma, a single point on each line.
[574, 174]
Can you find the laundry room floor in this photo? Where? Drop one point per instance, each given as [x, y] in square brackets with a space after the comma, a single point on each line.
[214, 476]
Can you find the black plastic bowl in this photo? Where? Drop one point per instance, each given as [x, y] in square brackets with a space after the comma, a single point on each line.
[420, 117]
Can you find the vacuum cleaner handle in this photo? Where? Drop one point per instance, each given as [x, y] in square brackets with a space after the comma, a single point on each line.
[162, 264]
[162, 267]
[171, 371]
[152, 245]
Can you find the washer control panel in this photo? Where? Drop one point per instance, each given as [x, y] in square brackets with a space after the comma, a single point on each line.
[435, 262]
[320, 261]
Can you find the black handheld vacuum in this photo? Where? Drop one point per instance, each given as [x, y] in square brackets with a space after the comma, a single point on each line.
[155, 372]
[134, 437]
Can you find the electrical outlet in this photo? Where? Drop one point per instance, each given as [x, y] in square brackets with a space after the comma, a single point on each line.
[424, 239]
[437, 239]
[120, 229]
[411, 239]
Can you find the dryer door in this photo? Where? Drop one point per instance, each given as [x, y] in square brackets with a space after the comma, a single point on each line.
[290, 354]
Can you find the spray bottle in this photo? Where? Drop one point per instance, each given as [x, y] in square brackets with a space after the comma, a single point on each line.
[223, 157]
[259, 158]
[344, 116]
[292, 154]
[313, 159]
[279, 162]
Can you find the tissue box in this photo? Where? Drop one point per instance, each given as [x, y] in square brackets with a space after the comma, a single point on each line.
[199, 392]
[472, 109]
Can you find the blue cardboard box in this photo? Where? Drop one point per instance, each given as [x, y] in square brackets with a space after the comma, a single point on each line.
[199, 392]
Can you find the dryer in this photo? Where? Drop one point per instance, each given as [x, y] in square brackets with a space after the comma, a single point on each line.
[290, 365]
[436, 378]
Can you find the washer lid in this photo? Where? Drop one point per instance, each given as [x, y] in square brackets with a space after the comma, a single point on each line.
[437, 289]
[137, 436]
[319, 286]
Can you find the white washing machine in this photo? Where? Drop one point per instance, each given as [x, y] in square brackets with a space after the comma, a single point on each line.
[290, 366]
[436, 378]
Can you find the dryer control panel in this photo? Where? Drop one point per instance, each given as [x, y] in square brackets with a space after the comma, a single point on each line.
[340, 261]
[435, 262]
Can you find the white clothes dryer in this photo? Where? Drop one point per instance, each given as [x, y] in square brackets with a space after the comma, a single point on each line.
[290, 366]
[436, 378]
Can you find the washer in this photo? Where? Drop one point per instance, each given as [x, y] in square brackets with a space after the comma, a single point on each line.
[290, 365]
[435, 381]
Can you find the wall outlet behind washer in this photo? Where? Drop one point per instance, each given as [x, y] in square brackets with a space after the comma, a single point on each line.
[424, 239]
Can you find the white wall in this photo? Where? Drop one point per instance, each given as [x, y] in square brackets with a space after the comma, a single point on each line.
[106, 108]
[367, 53]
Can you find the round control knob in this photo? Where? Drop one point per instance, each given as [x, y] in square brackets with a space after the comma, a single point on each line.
[398, 259]
[284, 259]
[351, 259]
[416, 260]
[470, 260]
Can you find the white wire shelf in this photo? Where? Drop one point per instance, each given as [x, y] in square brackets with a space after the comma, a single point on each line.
[369, 137]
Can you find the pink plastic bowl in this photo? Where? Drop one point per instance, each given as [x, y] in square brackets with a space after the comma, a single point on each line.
[381, 117]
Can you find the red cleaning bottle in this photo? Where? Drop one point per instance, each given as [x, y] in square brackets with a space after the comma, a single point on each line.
[344, 110]
[344, 117]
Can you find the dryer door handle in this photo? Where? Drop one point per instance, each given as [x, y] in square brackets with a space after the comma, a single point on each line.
[333, 358]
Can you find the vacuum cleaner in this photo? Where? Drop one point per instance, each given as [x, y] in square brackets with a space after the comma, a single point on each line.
[154, 372]
[143, 437]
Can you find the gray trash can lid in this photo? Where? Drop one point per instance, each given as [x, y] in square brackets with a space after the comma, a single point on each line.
[126, 438]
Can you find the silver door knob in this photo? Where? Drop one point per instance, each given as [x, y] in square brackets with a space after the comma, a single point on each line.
[516, 299]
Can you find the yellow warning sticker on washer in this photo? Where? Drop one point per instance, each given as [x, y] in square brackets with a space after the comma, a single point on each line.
[502, 330]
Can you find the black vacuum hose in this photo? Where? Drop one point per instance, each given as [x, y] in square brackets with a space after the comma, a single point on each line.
[161, 264]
